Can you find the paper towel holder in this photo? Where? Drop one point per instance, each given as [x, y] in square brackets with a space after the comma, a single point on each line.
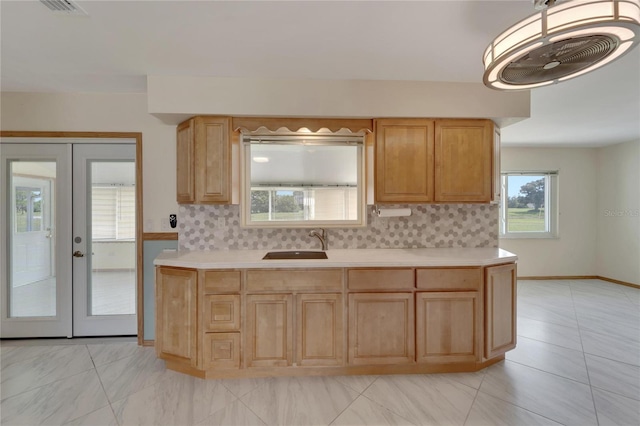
[391, 212]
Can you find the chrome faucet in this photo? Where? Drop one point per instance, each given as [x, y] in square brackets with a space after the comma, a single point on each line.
[322, 236]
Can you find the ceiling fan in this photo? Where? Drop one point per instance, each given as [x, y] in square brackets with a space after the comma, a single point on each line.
[562, 41]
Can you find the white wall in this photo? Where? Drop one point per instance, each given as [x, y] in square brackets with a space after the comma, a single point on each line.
[618, 212]
[574, 251]
[105, 113]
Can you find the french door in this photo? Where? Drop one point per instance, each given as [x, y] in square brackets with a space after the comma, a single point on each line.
[68, 240]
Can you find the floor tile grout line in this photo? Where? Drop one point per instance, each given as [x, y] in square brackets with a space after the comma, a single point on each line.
[520, 407]
[45, 384]
[593, 399]
[249, 408]
[616, 393]
[360, 394]
[549, 343]
[102, 386]
[548, 372]
[466, 418]
[390, 410]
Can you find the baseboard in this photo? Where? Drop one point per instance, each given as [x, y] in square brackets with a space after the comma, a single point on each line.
[581, 277]
[561, 277]
[611, 280]
[148, 343]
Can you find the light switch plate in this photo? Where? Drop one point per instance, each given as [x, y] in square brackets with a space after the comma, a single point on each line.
[222, 222]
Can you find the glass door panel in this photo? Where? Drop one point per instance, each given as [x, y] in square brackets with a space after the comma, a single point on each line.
[112, 281]
[33, 281]
[104, 237]
[36, 284]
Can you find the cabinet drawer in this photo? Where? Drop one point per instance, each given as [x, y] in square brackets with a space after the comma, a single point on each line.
[221, 350]
[380, 279]
[220, 281]
[221, 312]
[282, 280]
[448, 279]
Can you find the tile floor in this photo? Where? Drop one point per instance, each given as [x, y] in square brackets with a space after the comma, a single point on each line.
[577, 363]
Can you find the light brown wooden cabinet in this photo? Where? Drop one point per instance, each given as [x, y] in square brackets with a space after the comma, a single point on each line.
[176, 291]
[320, 329]
[448, 326]
[500, 309]
[204, 161]
[269, 330]
[381, 328]
[463, 160]
[440, 161]
[404, 160]
[252, 322]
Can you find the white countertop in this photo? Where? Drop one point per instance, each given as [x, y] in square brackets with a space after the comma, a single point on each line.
[423, 257]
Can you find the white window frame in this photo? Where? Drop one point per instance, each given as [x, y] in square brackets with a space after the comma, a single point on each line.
[551, 203]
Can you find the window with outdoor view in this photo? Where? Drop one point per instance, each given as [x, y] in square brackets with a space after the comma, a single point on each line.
[529, 205]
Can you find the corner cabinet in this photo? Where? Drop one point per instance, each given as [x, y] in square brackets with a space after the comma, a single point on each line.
[204, 161]
[434, 161]
[500, 310]
[176, 296]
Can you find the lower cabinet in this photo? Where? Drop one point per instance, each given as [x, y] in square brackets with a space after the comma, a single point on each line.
[500, 310]
[320, 330]
[241, 323]
[448, 327]
[269, 340]
[176, 297]
[270, 325]
[381, 328]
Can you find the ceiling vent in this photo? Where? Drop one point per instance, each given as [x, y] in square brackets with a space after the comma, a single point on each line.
[65, 7]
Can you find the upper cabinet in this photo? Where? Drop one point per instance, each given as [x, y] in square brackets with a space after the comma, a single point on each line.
[204, 161]
[463, 158]
[441, 161]
[404, 160]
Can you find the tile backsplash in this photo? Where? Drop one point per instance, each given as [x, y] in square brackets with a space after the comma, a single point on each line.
[430, 225]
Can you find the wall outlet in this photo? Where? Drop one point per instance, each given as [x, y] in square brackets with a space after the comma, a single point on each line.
[165, 225]
[222, 222]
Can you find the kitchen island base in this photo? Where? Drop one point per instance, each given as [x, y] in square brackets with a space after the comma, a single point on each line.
[287, 321]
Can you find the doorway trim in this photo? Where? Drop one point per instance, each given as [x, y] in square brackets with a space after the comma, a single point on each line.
[106, 137]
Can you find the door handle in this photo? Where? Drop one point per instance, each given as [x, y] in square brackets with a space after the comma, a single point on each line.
[49, 235]
[78, 253]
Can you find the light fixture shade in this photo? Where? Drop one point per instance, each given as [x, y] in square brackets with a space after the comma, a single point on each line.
[562, 42]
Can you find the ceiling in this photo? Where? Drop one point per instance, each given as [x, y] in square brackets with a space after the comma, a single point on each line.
[121, 42]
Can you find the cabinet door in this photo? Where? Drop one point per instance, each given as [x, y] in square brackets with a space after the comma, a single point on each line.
[176, 314]
[463, 160]
[404, 161]
[185, 178]
[448, 327]
[500, 309]
[381, 328]
[319, 329]
[212, 160]
[269, 330]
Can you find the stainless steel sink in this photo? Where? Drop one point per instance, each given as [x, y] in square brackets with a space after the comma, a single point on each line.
[295, 255]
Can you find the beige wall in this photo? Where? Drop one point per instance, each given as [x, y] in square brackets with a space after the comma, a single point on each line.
[618, 212]
[170, 97]
[574, 251]
[105, 113]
